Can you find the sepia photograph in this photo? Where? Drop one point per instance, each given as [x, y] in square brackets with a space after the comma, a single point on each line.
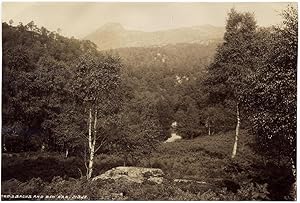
[149, 101]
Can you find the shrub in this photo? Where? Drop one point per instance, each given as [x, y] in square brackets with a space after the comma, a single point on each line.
[31, 187]
[43, 166]
[253, 191]
[10, 186]
[124, 190]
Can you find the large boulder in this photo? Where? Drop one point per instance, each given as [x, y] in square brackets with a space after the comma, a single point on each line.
[133, 174]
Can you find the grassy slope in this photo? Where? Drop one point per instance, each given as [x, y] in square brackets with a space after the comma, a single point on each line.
[206, 158]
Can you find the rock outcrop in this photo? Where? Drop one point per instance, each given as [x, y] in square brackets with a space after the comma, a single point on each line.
[133, 174]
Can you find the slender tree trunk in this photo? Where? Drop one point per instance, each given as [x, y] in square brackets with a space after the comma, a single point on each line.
[92, 143]
[150, 164]
[91, 162]
[237, 130]
[90, 129]
[125, 160]
[208, 129]
[43, 147]
[67, 152]
[95, 126]
[91, 148]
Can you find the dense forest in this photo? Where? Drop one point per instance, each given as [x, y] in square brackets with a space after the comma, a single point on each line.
[71, 112]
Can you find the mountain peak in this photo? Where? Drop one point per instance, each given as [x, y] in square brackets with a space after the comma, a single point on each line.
[112, 27]
[113, 35]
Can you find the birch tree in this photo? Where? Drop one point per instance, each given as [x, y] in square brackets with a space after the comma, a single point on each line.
[95, 86]
[232, 63]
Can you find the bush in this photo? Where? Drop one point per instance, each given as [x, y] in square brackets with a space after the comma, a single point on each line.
[104, 162]
[31, 187]
[44, 166]
[10, 186]
[123, 190]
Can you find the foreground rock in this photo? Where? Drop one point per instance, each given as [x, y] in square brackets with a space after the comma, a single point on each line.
[133, 174]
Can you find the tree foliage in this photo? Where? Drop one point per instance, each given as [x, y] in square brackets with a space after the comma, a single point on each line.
[272, 91]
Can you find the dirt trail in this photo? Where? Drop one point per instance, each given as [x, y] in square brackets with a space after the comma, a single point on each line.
[173, 138]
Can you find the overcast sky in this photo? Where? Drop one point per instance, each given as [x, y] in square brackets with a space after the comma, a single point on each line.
[80, 19]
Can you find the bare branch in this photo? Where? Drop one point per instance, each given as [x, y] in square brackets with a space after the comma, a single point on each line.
[101, 144]
[83, 136]
[103, 141]
[80, 173]
[104, 138]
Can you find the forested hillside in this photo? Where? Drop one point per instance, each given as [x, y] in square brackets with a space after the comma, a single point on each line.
[72, 111]
[164, 74]
[172, 76]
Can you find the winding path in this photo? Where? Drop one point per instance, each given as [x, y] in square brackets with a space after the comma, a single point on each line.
[173, 138]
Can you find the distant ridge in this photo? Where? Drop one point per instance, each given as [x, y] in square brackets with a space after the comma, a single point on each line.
[114, 35]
